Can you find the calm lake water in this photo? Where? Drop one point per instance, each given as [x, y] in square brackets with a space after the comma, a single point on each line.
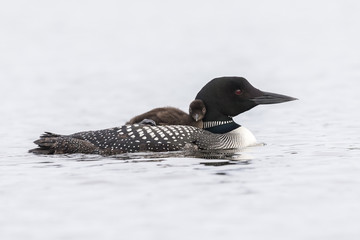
[86, 65]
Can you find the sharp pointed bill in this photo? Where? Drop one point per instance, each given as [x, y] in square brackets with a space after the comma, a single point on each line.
[196, 117]
[272, 98]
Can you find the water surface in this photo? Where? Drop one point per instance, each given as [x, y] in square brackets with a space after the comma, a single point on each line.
[92, 65]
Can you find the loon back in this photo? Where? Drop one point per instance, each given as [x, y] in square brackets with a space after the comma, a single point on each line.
[135, 138]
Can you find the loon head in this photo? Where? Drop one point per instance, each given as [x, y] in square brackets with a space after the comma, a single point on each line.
[226, 97]
[197, 110]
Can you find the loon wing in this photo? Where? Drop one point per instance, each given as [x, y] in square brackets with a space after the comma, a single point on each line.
[127, 138]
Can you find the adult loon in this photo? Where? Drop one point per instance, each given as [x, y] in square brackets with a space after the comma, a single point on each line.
[173, 116]
[223, 97]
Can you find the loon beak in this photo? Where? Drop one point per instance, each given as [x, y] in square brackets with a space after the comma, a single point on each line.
[196, 117]
[271, 98]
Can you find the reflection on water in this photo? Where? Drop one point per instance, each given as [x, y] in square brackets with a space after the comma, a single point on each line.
[216, 157]
[218, 163]
[229, 154]
[213, 158]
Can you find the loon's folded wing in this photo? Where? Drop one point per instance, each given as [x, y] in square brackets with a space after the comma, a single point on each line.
[127, 138]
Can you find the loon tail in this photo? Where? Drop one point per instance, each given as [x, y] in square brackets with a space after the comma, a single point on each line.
[47, 143]
[51, 143]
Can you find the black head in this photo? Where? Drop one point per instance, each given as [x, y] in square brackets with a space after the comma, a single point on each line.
[197, 109]
[226, 97]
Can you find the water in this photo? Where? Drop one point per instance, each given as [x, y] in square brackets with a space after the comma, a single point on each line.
[87, 65]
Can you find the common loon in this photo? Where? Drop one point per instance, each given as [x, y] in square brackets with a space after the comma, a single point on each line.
[223, 97]
[173, 116]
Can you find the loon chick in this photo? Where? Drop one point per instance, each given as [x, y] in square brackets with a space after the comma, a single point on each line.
[223, 97]
[174, 116]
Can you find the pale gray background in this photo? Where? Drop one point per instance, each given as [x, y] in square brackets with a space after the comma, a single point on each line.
[68, 66]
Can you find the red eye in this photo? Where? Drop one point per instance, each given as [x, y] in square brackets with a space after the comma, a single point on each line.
[238, 92]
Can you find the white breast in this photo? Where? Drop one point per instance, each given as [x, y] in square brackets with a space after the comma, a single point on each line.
[244, 137]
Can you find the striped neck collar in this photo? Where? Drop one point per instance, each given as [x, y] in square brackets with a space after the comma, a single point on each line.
[220, 126]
